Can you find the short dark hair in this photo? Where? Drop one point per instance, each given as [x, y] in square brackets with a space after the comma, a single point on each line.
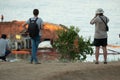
[3, 36]
[35, 12]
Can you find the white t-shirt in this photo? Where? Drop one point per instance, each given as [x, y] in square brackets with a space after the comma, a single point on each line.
[3, 46]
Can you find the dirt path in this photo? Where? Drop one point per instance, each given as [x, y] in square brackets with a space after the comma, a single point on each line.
[59, 71]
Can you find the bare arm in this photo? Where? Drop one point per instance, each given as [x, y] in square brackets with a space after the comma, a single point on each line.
[92, 21]
[42, 26]
[24, 26]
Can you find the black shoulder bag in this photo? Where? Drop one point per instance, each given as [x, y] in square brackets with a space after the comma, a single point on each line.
[107, 28]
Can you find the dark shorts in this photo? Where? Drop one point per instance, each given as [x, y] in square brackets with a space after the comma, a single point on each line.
[100, 42]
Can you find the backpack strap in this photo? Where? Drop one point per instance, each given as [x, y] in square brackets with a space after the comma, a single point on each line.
[104, 22]
[30, 20]
[36, 19]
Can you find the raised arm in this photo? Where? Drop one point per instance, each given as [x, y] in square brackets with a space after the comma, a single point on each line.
[24, 26]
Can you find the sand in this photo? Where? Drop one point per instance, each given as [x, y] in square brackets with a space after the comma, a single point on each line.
[59, 71]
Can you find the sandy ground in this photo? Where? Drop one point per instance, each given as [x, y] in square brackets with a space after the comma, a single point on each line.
[59, 71]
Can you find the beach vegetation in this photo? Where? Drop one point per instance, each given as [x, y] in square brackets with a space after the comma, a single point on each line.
[71, 46]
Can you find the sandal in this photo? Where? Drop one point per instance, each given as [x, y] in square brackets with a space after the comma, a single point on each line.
[105, 62]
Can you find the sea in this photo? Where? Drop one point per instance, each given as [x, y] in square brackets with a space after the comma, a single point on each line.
[76, 13]
[67, 12]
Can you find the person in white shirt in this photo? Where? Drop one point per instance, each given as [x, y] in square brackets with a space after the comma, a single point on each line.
[100, 36]
[37, 38]
[4, 48]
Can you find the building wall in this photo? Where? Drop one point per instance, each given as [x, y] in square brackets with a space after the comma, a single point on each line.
[11, 28]
[15, 27]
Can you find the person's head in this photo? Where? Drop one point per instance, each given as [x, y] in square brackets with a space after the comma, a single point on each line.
[3, 36]
[99, 11]
[35, 12]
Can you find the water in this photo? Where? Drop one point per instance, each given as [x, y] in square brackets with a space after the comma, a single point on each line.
[110, 58]
[67, 12]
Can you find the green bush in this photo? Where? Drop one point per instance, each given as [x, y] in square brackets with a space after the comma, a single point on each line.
[66, 47]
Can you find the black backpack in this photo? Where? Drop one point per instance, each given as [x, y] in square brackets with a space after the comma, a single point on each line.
[33, 29]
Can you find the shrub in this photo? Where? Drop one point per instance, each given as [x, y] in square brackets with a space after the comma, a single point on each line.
[70, 46]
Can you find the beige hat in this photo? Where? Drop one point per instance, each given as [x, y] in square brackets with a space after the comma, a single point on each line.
[99, 10]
